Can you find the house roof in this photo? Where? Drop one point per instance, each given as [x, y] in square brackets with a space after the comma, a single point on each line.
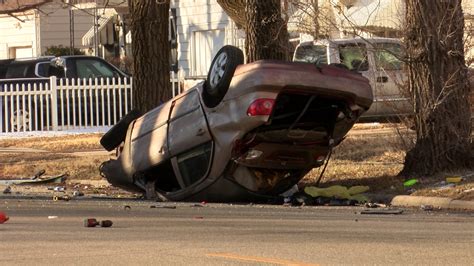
[13, 6]
[388, 14]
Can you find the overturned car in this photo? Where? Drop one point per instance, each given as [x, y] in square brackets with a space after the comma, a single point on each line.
[249, 132]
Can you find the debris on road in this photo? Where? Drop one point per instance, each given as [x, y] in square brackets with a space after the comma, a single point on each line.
[410, 182]
[375, 205]
[65, 198]
[92, 222]
[7, 190]
[454, 179]
[77, 193]
[127, 207]
[339, 192]
[427, 207]
[197, 205]
[162, 207]
[36, 179]
[52, 217]
[382, 211]
[59, 189]
[106, 223]
[3, 217]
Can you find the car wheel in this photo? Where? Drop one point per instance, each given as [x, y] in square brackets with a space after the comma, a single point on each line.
[17, 120]
[220, 74]
[118, 132]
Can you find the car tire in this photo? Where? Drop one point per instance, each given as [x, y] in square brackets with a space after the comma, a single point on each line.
[118, 132]
[220, 74]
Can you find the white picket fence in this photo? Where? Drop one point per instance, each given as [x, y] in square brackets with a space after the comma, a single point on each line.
[52, 104]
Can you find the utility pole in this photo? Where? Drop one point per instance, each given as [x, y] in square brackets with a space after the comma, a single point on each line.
[71, 31]
[96, 30]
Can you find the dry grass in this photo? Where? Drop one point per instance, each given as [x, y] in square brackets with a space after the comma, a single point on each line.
[82, 142]
[27, 164]
[361, 159]
[364, 160]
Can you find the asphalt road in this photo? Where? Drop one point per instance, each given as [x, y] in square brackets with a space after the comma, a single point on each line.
[224, 234]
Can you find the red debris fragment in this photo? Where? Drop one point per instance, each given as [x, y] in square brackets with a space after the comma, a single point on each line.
[90, 222]
[3, 217]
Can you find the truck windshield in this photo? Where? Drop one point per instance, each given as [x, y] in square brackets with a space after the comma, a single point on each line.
[316, 54]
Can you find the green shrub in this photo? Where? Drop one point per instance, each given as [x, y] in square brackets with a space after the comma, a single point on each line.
[61, 50]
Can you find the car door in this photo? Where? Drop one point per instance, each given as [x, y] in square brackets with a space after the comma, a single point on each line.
[392, 99]
[189, 139]
[149, 143]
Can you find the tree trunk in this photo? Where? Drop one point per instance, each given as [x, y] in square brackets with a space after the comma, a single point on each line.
[266, 31]
[151, 53]
[438, 86]
[235, 9]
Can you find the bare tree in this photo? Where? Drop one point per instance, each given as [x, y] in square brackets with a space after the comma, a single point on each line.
[151, 52]
[266, 31]
[439, 87]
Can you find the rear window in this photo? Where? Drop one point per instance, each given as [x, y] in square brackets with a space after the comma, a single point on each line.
[311, 54]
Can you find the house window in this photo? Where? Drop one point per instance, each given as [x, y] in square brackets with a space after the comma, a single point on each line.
[21, 52]
[205, 47]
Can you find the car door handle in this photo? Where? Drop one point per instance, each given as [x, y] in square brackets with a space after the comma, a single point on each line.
[200, 132]
[382, 79]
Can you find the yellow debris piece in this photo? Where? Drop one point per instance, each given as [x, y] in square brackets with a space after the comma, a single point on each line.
[453, 179]
[359, 198]
[358, 189]
[339, 192]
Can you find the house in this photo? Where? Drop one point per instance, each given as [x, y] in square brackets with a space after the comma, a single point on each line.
[30, 33]
[198, 27]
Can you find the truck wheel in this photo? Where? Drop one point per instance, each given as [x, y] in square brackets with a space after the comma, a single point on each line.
[220, 74]
[118, 132]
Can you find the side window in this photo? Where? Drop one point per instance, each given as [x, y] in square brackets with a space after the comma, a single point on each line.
[354, 56]
[42, 69]
[311, 54]
[194, 164]
[387, 56]
[89, 68]
[17, 71]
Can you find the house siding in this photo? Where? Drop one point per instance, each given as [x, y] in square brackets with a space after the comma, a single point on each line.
[203, 18]
[54, 27]
[16, 33]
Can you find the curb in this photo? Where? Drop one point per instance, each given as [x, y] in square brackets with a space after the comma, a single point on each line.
[436, 202]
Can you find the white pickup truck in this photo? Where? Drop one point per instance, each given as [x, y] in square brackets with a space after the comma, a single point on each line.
[377, 59]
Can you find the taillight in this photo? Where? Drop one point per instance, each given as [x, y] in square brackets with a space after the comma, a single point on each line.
[261, 107]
